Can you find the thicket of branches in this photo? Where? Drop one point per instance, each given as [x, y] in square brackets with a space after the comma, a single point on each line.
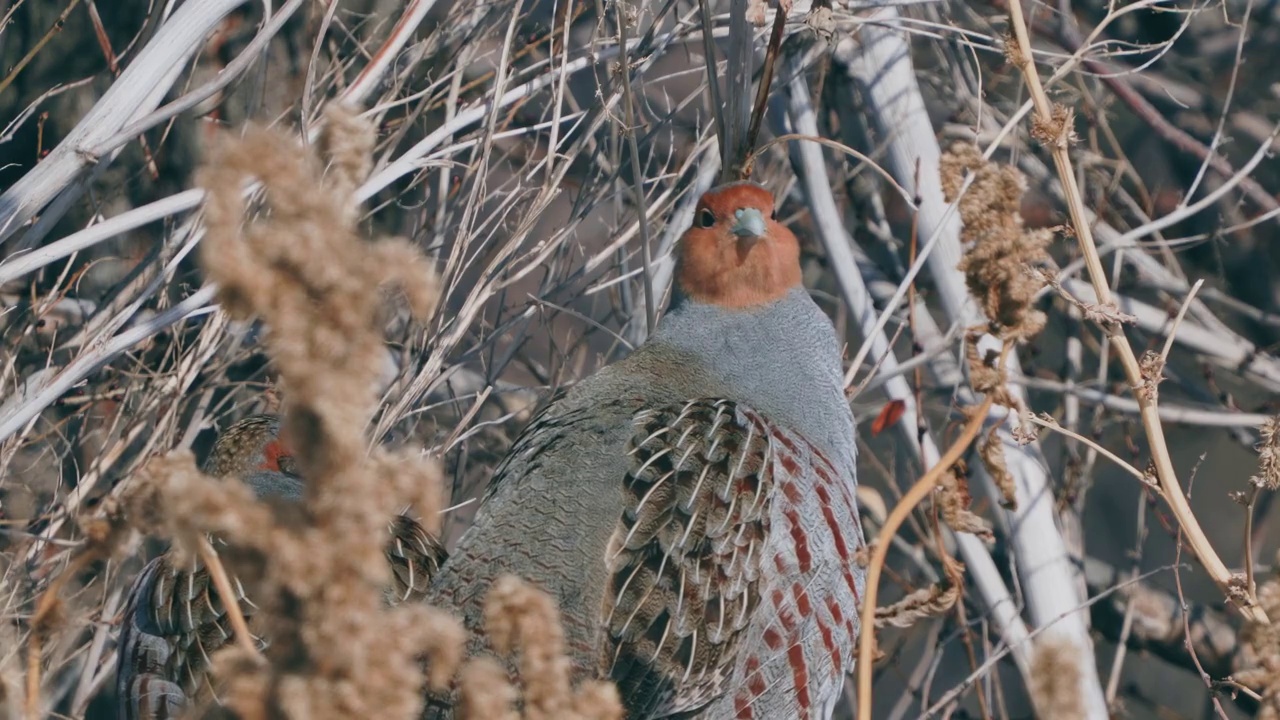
[1089, 182]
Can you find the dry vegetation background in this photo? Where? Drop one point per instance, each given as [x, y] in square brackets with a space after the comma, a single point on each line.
[544, 175]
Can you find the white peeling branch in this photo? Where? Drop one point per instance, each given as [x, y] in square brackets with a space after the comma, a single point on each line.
[880, 63]
[19, 265]
[1168, 413]
[372, 75]
[248, 57]
[43, 388]
[137, 91]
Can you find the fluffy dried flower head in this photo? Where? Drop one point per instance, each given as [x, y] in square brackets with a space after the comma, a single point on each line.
[336, 651]
[305, 271]
[1268, 455]
[484, 692]
[169, 496]
[1001, 251]
[1055, 678]
[522, 620]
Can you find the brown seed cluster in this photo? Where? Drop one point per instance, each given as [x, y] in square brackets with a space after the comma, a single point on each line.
[1055, 679]
[316, 574]
[999, 265]
[1003, 269]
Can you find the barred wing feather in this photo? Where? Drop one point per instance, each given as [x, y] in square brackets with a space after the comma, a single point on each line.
[732, 592]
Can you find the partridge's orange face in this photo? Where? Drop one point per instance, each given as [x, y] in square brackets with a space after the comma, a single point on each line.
[278, 457]
[737, 255]
[252, 443]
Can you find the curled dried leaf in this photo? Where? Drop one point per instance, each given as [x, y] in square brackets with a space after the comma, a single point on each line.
[954, 500]
[928, 602]
[991, 450]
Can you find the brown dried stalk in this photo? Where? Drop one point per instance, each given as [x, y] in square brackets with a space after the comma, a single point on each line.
[918, 492]
[1050, 121]
[927, 602]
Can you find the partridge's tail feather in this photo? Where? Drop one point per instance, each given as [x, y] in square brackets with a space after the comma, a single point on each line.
[174, 620]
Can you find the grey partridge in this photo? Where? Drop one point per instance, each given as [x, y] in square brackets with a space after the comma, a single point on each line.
[691, 508]
[174, 618]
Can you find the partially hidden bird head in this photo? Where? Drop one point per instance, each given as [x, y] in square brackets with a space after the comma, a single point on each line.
[736, 254]
[252, 444]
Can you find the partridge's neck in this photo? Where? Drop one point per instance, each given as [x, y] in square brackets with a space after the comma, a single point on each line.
[782, 359]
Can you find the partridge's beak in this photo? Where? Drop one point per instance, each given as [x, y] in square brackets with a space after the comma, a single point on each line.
[748, 223]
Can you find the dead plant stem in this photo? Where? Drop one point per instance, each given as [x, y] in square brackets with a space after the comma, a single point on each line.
[918, 492]
[1169, 486]
[230, 601]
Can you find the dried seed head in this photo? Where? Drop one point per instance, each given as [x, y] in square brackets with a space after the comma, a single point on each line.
[1058, 130]
[1151, 366]
[1268, 455]
[336, 650]
[1001, 250]
[1055, 678]
[1013, 51]
[484, 692]
[1260, 650]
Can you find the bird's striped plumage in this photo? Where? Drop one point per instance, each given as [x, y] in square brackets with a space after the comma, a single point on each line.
[723, 567]
[691, 507]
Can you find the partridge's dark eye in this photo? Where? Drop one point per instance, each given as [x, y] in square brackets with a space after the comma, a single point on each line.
[706, 218]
